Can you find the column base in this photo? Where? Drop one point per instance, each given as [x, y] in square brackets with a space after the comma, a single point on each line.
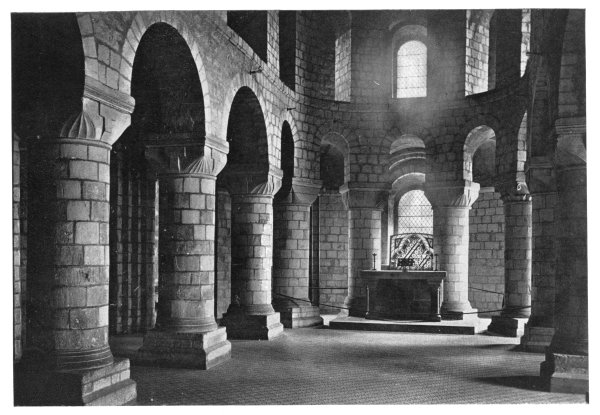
[187, 350]
[355, 307]
[242, 326]
[536, 339]
[109, 385]
[564, 373]
[507, 326]
[457, 311]
[301, 316]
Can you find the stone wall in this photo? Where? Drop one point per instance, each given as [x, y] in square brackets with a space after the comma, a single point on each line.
[343, 47]
[333, 252]
[486, 252]
[477, 51]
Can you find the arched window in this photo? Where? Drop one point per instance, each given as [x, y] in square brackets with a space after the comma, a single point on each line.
[414, 213]
[411, 70]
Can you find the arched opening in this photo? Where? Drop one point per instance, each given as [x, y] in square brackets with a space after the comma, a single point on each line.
[166, 85]
[247, 159]
[287, 160]
[169, 109]
[47, 72]
[486, 224]
[330, 225]
[414, 214]
[411, 70]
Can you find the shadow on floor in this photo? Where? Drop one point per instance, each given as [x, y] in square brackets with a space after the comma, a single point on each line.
[532, 383]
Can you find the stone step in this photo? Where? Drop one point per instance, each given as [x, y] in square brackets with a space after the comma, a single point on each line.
[469, 327]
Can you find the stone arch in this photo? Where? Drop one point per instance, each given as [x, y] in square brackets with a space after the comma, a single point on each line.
[476, 138]
[341, 144]
[247, 102]
[140, 24]
[406, 150]
[166, 84]
[48, 73]
[405, 36]
[246, 80]
[288, 158]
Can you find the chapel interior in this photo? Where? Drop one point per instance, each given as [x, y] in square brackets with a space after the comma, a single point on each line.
[195, 190]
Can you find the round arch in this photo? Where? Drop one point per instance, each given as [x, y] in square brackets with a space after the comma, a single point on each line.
[166, 85]
[140, 24]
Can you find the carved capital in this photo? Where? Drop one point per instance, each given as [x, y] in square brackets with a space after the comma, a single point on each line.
[244, 180]
[303, 192]
[362, 197]
[79, 125]
[515, 192]
[184, 159]
[452, 196]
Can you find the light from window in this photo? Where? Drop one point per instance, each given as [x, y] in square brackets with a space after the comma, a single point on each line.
[411, 69]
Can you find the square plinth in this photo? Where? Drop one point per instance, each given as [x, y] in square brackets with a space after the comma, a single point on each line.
[296, 317]
[109, 385]
[242, 326]
[507, 326]
[187, 350]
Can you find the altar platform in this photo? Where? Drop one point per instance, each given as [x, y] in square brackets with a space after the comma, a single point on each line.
[469, 325]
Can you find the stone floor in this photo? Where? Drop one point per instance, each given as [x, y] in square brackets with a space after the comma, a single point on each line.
[326, 366]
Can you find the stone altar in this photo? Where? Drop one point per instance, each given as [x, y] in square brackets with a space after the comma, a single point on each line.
[404, 294]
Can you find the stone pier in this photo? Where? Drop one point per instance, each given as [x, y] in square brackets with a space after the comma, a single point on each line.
[540, 326]
[451, 244]
[291, 256]
[186, 333]
[251, 314]
[68, 360]
[365, 207]
[566, 368]
[517, 263]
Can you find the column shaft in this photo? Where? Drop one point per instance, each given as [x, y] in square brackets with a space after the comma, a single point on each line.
[69, 252]
[291, 252]
[517, 267]
[566, 368]
[251, 315]
[291, 263]
[186, 332]
[571, 293]
[69, 258]
[517, 258]
[186, 251]
[451, 244]
[252, 242]
[364, 240]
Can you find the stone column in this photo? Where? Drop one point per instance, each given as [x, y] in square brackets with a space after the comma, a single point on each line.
[566, 366]
[517, 263]
[251, 315]
[451, 244]
[291, 256]
[365, 206]
[69, 360]
[540, 326]
[186, 334]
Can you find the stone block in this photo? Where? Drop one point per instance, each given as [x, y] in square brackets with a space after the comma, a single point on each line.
[242, 326]
[186, 350]
[109, 385]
